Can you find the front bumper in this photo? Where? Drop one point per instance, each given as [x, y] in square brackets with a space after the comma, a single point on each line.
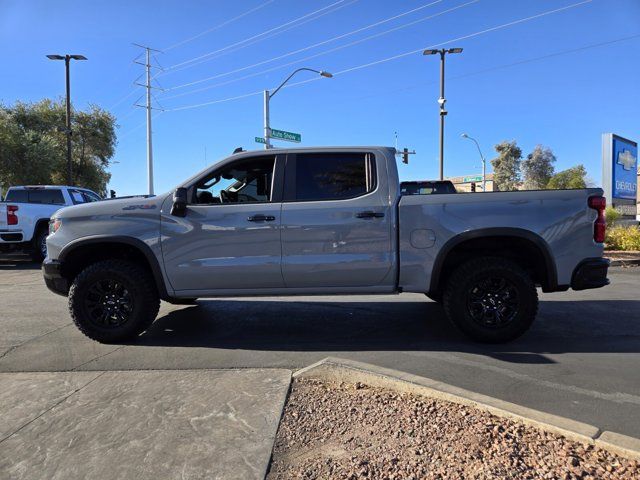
[52, 273]
[590, 273]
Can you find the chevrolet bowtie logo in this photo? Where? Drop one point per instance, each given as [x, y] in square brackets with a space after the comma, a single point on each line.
[626, 159]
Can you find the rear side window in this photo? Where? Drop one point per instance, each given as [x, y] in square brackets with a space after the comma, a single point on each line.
[47, 196]
[332, 176]
[18, 196]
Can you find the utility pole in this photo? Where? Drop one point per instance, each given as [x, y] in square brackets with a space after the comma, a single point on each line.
[67, 59]
[149, 107]
[442, 100]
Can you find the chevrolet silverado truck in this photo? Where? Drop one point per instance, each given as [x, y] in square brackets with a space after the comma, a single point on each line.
[25, 213]
[327, 221]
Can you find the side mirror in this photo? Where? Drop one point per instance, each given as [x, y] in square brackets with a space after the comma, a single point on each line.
[179, 207]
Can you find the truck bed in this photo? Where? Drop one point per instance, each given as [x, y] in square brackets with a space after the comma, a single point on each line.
[431, 225]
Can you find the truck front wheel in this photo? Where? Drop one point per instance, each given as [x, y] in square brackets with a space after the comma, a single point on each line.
[113, 301]
[491, 299]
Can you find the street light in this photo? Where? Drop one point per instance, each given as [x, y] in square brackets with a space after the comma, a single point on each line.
[67, 59]
[268, 95]
[484, 163]
[441, 100]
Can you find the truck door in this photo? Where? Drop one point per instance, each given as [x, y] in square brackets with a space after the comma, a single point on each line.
[230, 236]
[336, 221]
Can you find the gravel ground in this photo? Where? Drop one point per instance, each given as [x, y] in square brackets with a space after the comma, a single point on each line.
[355, 431]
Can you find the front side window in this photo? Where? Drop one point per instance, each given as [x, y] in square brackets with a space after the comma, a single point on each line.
[333, 176]
[90, 196]
[77, 197]
[245, 181]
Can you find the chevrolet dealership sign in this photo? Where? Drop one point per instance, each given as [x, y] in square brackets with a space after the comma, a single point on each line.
[620, 171]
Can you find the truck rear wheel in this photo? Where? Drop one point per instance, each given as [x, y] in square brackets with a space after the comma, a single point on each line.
[113, 301]
[39, 245]
[491, 299]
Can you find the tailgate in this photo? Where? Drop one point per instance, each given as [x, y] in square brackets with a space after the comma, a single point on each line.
[3, 215]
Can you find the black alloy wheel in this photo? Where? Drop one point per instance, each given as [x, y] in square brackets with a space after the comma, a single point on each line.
[493, 302]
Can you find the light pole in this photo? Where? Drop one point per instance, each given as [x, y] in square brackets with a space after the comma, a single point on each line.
[441, 100]
[484, 163]
[268, 95]
[67, 59]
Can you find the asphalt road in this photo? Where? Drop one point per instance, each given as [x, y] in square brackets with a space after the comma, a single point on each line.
[581, 359]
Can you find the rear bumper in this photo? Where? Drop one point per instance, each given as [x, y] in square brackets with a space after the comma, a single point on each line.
[52, 273]
[590, 273]
[11, 236]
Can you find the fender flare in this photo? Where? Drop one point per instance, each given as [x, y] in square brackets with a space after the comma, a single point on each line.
[136, 243]
[534, 238]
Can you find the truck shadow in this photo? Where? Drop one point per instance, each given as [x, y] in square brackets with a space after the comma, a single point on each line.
[12, 261]
[603, 326]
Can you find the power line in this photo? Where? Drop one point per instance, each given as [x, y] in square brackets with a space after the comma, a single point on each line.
[506, 65]
[210, 54]
[216, 101]
[401, 55]
[293, 52]
[335, 9]
[220, 25]
[137, 127]
[340, 47]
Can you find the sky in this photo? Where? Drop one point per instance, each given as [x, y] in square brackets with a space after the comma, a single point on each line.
[554, 72]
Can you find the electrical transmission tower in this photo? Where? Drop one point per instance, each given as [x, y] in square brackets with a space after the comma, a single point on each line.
[149, 107]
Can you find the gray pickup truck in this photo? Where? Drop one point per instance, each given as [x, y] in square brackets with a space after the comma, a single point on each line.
[327, 221]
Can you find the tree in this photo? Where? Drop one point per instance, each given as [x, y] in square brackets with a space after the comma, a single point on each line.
[537, 169]
[574, 177]
[33, 145]
[506, 167]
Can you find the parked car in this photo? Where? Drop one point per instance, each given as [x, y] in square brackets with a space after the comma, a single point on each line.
[25, 213]
[426, 187]
[326, 221]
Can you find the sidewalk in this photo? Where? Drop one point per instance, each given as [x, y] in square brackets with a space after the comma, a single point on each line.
[140, 424]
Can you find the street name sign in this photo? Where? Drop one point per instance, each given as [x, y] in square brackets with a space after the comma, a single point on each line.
[260, 140]
[477, 178]
[288, 136]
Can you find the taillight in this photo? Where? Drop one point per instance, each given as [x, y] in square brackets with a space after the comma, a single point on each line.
[600, 225]
[12, 218]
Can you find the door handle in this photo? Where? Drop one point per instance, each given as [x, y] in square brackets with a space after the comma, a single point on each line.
[369, 214]
[261, 218]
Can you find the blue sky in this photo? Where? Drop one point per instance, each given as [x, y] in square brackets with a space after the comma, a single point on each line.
[533, 81]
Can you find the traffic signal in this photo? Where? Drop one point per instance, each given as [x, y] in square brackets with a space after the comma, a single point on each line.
[405, 155]
[473, 186]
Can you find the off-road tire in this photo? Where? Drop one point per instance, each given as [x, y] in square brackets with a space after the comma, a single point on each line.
[139, 287]
[459, 291]
[37, 255]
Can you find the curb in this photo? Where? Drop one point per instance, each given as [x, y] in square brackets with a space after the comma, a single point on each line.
[337, 369]
[624, 263]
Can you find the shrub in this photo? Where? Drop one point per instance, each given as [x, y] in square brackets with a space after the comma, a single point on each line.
[623, 238]
[611, 214]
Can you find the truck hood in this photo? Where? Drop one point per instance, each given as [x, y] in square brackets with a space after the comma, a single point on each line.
[116, 206]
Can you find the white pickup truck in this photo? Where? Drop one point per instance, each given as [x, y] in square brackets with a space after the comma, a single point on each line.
[328, 221]
[25, 213]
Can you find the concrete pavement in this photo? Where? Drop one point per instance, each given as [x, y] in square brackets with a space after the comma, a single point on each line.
[580, 360]
[144, 425]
